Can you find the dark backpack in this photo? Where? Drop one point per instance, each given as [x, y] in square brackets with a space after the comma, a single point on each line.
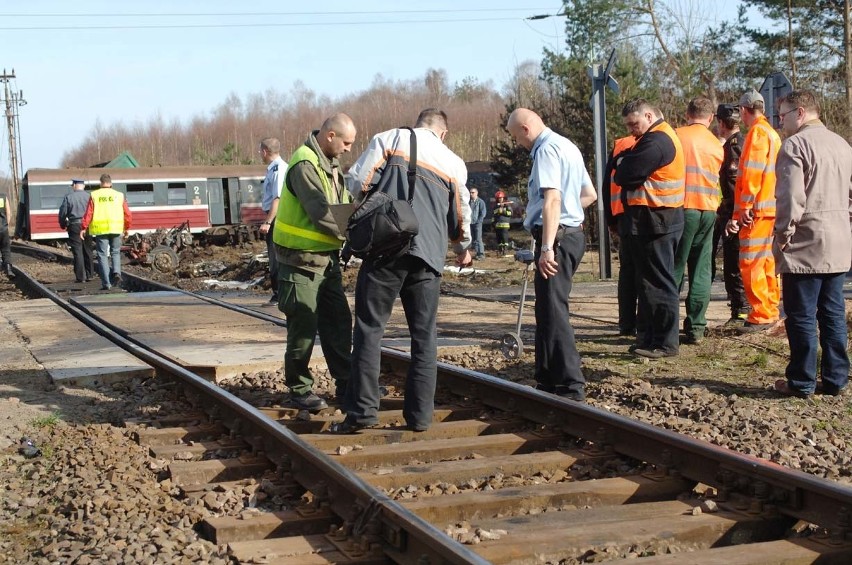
[381, 227]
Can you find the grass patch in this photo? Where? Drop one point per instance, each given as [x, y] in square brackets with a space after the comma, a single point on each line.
[46, 421]
[760, 359]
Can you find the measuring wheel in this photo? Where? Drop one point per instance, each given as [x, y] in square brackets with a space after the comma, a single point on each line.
[511, 345]
[163, 259]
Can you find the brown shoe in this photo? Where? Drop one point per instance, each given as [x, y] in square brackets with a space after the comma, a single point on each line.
[782, 387]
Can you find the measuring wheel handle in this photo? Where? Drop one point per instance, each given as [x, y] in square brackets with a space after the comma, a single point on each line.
[512, 346]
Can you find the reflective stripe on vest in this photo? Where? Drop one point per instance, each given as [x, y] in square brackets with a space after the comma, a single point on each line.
[755, 187]
[621, 145]
[665, 187]
[293, 228]
[108, 212]
[703, 155]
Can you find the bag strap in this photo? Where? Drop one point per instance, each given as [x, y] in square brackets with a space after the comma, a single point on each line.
[412, 164]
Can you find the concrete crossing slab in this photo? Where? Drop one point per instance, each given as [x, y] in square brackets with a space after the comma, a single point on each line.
[71, 353]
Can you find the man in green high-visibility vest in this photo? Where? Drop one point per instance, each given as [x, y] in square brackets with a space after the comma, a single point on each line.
[307, 246]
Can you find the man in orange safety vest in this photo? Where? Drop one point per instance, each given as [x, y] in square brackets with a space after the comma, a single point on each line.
[754, 214]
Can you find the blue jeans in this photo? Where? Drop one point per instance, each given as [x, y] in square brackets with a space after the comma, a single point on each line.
[109, 245]
[476, 237]
[811, 301]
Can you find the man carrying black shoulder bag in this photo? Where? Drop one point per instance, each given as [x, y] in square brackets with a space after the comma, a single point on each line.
[414, 167]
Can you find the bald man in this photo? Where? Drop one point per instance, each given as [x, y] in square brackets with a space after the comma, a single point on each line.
[307, 246]
[558, 191]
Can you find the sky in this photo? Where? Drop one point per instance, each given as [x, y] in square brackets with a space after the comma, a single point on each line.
[81, 62]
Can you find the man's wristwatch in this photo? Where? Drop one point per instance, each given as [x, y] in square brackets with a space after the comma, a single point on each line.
[545, 248]
[266, 224]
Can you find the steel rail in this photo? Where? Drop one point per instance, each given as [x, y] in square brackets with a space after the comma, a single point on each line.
[403, 535]
[139, 283]
[765, 484]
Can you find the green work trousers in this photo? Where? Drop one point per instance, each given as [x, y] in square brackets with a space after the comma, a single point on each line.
[315, 302]
[695, 255]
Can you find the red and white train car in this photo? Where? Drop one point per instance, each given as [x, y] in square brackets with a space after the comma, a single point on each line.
[158, 197]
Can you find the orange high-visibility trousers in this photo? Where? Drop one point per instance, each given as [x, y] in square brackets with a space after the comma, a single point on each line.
[757, 266]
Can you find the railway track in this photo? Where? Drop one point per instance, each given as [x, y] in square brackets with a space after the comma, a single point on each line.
[506, 474]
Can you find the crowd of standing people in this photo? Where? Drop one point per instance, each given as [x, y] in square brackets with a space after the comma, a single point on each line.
[674, 195]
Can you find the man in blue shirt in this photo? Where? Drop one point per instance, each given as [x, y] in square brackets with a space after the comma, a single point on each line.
[276, 170]
[559, 188]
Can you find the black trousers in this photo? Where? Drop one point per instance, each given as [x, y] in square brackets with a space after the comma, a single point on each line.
[273, 261]
[557, 361]
[84, 266]
[628, 292]
[6, 247]
[731, 267]
[377, 288]
[659, 311]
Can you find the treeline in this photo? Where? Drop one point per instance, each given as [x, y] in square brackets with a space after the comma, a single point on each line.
[672, 51]
[667, 51]
[230, 134]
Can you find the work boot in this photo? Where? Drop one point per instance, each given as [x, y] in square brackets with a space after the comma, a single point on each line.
[308, 401]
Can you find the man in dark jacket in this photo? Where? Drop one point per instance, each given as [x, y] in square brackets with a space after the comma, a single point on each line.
[652, 176]
[477, 216]
[71, 213]
[728, 119]
[5, 240]
[415, 277]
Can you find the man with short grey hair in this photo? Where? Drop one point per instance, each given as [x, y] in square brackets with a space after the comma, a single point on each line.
[813, 246]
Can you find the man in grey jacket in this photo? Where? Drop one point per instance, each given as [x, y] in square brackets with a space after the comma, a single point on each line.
[813, 195]
[442, 204]
[477, 216]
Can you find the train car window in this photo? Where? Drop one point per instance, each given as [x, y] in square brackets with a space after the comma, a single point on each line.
[177, 193]
[51, 196]
[141, 194]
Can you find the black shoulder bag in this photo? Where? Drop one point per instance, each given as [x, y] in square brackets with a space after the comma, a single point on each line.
[381, 227]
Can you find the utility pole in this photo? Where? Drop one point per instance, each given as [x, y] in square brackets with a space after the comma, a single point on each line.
[12, 101]
[601, 79]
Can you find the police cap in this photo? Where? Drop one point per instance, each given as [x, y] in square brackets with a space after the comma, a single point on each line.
[77, 181]
[725, 111]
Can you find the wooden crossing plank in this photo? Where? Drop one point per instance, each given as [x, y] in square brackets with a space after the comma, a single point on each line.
[456, 472]
[383, 436]
[444, 510]
[199, 449]
[800, 551]
[199, 472]
[297, 550]
[172, 436]
[442, 449]
[227, 529]
[569, 534]
[322, 422]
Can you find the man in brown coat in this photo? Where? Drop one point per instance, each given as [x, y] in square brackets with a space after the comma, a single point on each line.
[813, 246]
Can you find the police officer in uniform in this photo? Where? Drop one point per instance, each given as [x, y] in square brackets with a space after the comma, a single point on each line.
[5, 240]
[107, 218]
[71, 213]
[276, 169]
[728, 119]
